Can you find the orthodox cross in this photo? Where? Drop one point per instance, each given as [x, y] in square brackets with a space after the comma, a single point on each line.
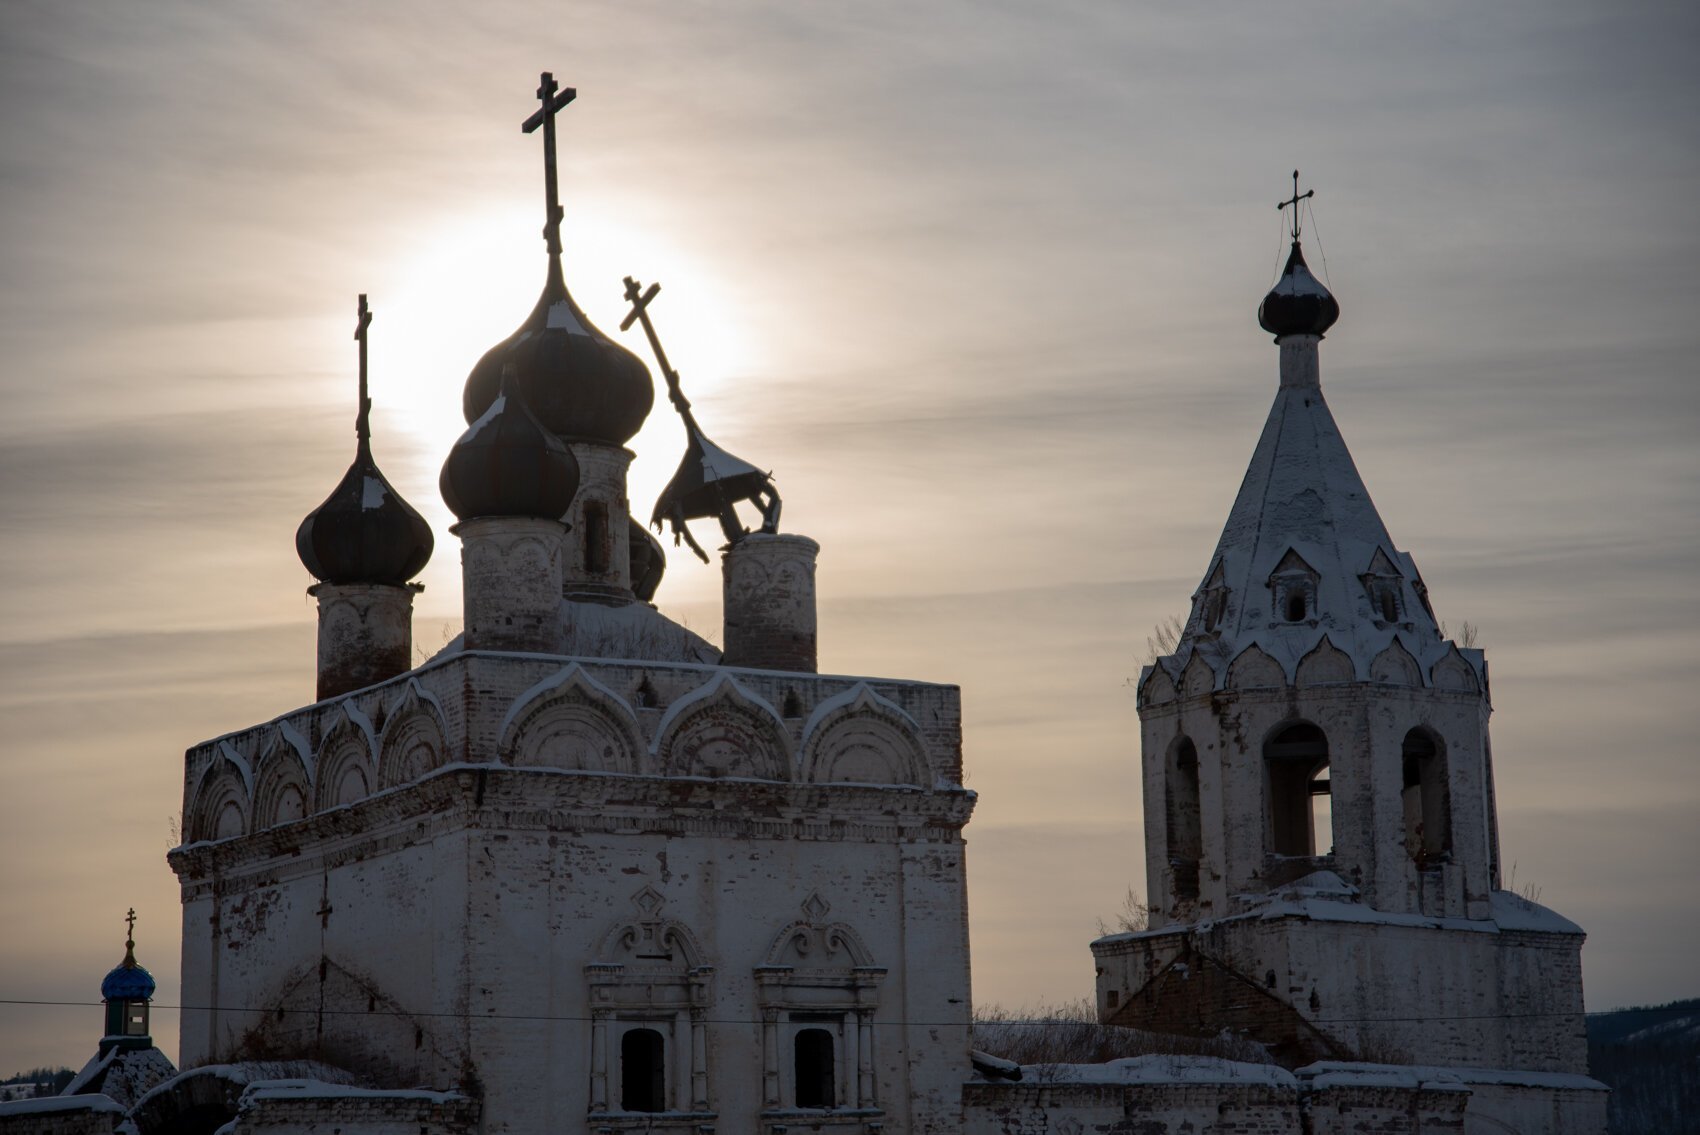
[552, 97]
[362, 423]
[1294, 202]
[130, 919]
[640, 313]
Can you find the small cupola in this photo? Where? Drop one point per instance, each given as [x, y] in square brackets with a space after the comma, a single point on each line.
[364, 532]
[508, 464]
[127, 990]
[581, 384]
[1298, 304]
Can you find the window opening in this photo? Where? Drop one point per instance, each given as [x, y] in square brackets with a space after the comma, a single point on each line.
[643, 1072]
[1301, 815]
[596, 538]
[1428, 825]
[815, 1069]
[1185, 834]
[1296, 605]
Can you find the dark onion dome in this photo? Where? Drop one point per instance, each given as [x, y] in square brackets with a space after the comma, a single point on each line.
[364, 532]
[580, 383]
[508, 464]
[128, 981]
[649, 560]
[1298, 304]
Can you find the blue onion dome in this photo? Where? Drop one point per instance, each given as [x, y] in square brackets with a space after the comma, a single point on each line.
[581, 384]
[128, 981]
[364, 532]
[1298, 304]
[508, 464]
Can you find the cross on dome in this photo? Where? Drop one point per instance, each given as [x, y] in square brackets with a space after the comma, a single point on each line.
[709, 481]
[552, 98]
[362, 416]
[1294, 202]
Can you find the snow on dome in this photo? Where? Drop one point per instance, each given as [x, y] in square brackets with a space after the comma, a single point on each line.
[508, 464]
[364, 532]
[1298, 304]
[579, 382]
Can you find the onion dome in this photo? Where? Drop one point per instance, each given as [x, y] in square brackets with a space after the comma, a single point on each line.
[1298, 304]
[649, 560]
[128, 981]
[364, 532]
[579, 383]
[508, 464]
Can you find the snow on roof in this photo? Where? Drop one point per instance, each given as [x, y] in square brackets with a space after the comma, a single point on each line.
[1166, 1068]
[1332, 1073]
[49, 1104]
[319, 1089]
[1302, 496]
[1514, 912]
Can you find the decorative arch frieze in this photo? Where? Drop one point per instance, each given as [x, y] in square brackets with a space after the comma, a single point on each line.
[1325, 665]
[1452, 672]
[650, 973]
[1158, 688]
[572, 721]
[860, 737]
[1198, 678]
[1255, 668]
[819, 976]
[222, 799]
[415, 737]
[283, 787]
[721, 729]
[1395, 666]
[346, 759]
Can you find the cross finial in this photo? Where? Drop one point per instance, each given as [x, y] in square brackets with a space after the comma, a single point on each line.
[362, 417]
[640, 298]
[1294, 202]
[552, 97]
[130, 938]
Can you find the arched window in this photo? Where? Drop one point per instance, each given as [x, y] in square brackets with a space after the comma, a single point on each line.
[1301, 820]
[643, 1071]
[1185, 843]
[1428, 815]
[815, 1069]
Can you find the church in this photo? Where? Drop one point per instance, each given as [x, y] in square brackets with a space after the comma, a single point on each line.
[582, 870]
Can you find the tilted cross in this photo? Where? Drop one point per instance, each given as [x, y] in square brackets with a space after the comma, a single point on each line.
[640, 314]
[552, 97]
[1294, 202]
[362, 425]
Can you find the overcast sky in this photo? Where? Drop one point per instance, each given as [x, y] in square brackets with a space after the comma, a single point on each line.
[977, 281]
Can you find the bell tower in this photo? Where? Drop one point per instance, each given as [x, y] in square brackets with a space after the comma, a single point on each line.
[1322, 854]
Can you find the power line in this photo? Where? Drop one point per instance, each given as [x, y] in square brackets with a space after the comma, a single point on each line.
[572, 1018]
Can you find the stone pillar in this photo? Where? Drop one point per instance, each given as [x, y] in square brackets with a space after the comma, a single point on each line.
[511, 583]
[597, 565]
[365, 634]
[769, 596]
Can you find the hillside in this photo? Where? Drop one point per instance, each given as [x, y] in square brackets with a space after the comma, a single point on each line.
[1650, 1057]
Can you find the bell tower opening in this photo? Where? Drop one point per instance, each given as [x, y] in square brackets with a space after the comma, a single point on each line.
[1427, 807]
[1300, 815]
[1185, 830]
